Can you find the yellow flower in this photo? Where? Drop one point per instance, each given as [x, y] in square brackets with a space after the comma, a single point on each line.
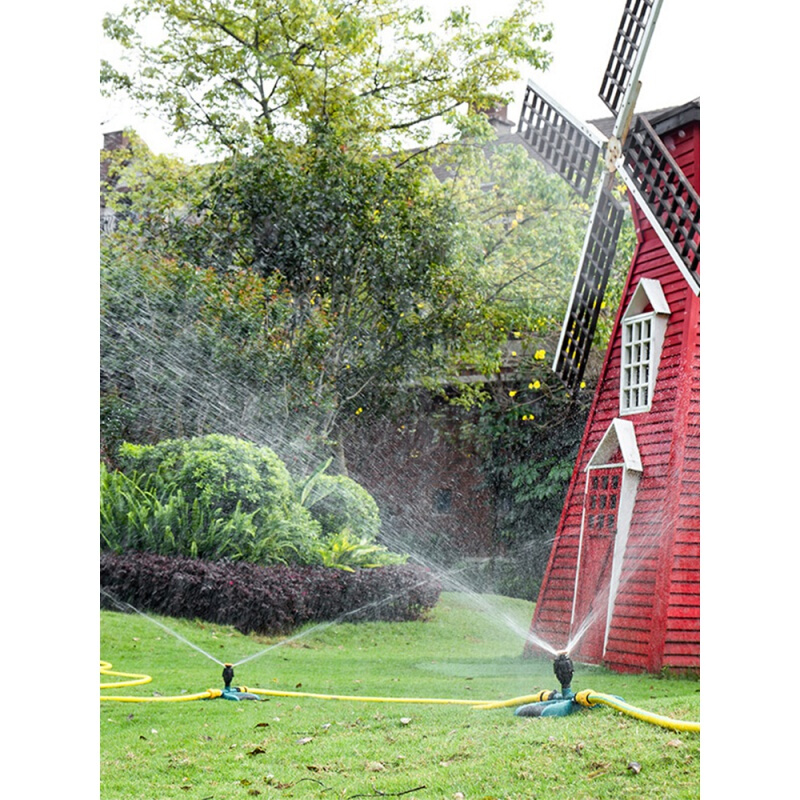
[534, 385]
[512, 392]
[539, 355]
[583, 384]
[513, 352]
[359, 410]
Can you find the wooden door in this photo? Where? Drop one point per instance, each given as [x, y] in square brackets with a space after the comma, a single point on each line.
[600, 511]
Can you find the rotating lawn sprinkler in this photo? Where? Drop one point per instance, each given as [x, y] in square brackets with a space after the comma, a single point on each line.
[564, 670]
[235, 692]
[554, 703]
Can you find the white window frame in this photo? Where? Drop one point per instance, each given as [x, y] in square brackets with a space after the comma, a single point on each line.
[641, 331]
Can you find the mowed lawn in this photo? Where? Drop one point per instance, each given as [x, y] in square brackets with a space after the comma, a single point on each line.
[293, 747]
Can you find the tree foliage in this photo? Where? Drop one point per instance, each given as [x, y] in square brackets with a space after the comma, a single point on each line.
[230, 72]
[523, 229]
[185, 351]
[314, 277]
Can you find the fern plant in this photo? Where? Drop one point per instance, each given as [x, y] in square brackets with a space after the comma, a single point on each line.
[348, 552]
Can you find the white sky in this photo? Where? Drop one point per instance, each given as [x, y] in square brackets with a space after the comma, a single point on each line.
[583, 35]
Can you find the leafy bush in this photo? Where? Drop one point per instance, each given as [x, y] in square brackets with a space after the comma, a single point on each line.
[338, 502]
[210, 497]
[264, 600]
[219, 471]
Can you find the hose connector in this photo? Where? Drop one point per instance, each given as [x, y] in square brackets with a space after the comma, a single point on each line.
[583, 698]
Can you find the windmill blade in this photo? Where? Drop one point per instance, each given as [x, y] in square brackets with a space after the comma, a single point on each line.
[565, 144]
[627, 55]
[588, 289]
[665, 196]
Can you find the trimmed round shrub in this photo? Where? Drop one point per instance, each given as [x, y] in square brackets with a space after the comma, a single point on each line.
[209, 497]
[219, 471]
[338, 502]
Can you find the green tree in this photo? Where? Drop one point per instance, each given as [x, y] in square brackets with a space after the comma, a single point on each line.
[187, 351]
[296, 282]
[527, 230]
[227, 73]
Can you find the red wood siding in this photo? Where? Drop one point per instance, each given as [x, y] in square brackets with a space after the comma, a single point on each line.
[656, 613]
[682, 625]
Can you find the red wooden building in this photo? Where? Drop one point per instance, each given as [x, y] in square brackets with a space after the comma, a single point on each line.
[622, 585]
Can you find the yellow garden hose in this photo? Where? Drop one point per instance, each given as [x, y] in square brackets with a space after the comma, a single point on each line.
[517, 701]
[363, 699]
[589, 698]
[138, 680]
[183, 698]
[105, 669]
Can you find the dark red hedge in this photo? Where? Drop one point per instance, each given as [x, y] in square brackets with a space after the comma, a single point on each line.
[265, 600]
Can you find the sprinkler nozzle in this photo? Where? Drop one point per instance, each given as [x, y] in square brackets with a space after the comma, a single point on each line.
[562, 666]
[234, 693]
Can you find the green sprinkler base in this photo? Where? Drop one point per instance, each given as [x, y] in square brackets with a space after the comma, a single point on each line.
[229, 693]
[559, 705]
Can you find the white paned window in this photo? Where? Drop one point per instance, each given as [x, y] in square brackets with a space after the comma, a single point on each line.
[644, 325]
[637, 367]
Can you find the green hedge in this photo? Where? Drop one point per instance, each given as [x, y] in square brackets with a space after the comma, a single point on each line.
[265, 600]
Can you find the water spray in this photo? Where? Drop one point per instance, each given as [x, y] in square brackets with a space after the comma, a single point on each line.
[543, 704]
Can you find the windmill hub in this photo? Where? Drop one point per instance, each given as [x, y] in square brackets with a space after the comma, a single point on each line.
[613, 153]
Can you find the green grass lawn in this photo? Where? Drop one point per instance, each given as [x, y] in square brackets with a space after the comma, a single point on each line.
[303, 747]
